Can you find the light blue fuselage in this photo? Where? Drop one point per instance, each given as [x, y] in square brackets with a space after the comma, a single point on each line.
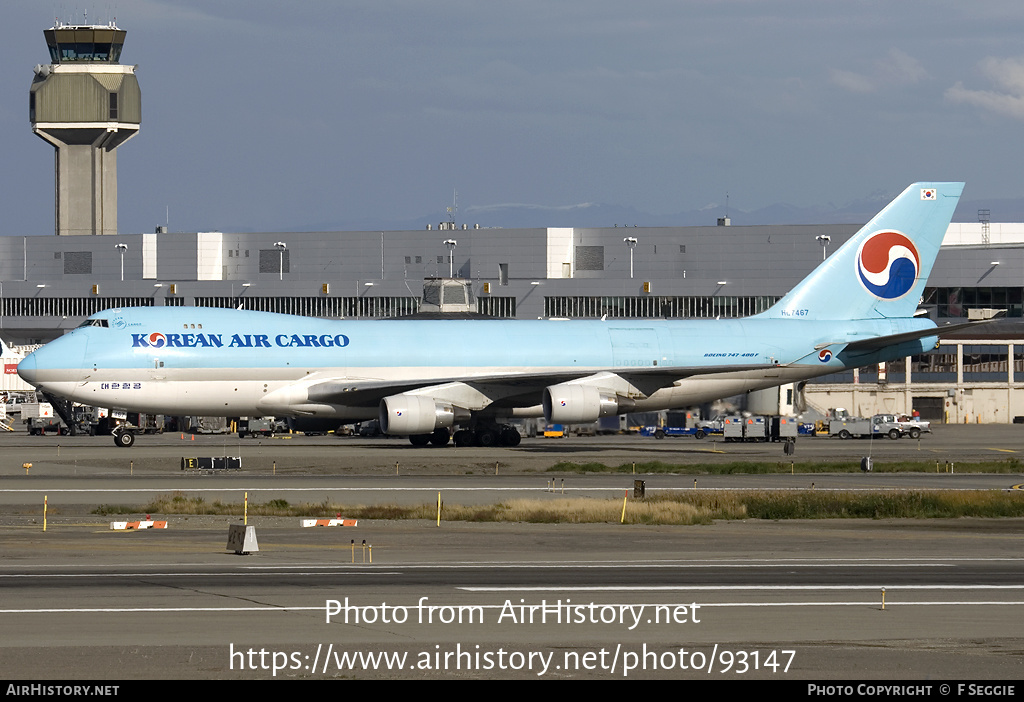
[197, 360]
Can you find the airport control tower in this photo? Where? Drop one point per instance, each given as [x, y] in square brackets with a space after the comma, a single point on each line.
[85, 104]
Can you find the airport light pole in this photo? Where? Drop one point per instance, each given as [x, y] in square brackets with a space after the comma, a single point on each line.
[281, 247]
[122, 248]
[631, 243]
[824, 240]
[451, 244]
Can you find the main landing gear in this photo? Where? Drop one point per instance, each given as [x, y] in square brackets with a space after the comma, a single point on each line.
[484, 435]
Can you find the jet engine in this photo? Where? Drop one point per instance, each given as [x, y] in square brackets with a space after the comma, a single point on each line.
[579, 404]
[416, 414]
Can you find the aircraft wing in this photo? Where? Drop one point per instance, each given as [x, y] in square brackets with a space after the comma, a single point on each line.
[505, 386]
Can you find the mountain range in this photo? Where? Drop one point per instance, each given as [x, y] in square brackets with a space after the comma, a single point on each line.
[592, 215]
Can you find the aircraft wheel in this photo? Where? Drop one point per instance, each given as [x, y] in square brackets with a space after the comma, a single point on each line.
[510, 437]
[124, 439]
[486, 438]
[440, 437]
[463, 437]
[420, 439]
[894, 434]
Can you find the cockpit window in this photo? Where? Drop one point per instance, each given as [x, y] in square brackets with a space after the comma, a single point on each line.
[95, 323]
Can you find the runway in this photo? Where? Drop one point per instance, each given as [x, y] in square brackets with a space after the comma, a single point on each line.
[66, 456]
[736, 600]
[176, 605]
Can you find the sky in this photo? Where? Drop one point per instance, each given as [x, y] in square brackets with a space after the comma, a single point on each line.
[270, 116]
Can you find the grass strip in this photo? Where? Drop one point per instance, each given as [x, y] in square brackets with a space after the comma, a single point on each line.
[1005, 466]
[669, 507]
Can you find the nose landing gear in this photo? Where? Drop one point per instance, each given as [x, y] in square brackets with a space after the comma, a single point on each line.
[123, 438]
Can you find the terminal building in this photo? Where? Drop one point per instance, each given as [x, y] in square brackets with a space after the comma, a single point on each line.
[50, 284]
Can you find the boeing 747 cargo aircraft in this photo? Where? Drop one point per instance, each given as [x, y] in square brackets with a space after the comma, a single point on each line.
[430, 378]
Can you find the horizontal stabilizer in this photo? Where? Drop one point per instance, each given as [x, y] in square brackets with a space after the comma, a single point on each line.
[880, 342]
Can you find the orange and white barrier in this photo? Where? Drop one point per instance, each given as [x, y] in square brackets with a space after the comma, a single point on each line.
[341, 521]
[141, 524]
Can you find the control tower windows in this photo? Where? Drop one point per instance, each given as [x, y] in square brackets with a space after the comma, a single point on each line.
[72, 44]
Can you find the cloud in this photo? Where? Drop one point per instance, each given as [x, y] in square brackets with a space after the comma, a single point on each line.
[1006, 99]
[853, 82]
[899, 68]
[893, 70]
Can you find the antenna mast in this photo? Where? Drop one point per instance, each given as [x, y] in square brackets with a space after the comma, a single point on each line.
[453, 209]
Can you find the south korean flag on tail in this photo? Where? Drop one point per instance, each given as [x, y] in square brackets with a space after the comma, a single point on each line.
[929, 193]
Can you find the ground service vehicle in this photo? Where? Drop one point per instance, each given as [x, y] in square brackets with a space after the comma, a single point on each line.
[860, 427]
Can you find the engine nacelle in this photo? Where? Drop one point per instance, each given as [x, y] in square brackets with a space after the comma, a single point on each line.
[569, 403]
[415, 414]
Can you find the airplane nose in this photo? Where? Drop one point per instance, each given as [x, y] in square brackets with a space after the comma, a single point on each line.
[27, 369]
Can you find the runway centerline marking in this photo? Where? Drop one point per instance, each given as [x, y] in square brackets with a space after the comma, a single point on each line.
[359, 569]
[724, 588]
[109, 570]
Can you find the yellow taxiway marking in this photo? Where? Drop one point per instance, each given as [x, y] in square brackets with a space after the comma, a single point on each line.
[1003, 450]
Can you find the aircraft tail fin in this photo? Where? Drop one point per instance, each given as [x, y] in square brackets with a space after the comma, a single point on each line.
[880, 272]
